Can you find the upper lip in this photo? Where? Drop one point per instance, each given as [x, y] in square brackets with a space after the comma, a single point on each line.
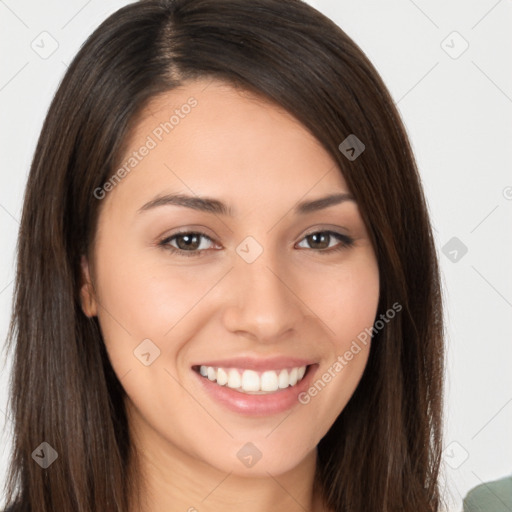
[251, 363]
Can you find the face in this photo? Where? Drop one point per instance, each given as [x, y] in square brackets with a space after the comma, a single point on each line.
[229, 297]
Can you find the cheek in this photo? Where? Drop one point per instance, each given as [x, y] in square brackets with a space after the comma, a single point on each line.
[145, 298]
[143, 318]
[135, 303]
[356, 306]
[346, 299]
[348, 305]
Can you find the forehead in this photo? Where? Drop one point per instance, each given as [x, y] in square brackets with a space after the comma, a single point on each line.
[206, 137]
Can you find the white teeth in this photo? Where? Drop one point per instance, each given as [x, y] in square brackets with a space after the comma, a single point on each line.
[269, 381]
[250, 381]
[283, 379]
[293, 377]
[222, 377]
[234, 380]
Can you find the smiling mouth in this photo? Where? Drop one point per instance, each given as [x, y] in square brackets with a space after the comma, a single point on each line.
[251, 381]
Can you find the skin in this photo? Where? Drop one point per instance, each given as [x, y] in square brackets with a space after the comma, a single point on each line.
[293, 300]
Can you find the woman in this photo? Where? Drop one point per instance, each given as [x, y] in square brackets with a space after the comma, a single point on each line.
[227, 290]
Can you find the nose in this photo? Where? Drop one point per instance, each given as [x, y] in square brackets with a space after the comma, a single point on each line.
[262, 304]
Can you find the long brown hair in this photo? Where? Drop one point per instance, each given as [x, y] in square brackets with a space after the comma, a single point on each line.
[383, 451]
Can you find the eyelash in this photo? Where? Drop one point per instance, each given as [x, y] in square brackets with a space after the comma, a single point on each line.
[347, 242]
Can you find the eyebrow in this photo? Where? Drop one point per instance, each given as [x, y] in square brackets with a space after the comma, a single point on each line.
[210, 205]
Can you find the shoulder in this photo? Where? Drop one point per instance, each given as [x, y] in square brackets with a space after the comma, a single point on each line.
[493, 496]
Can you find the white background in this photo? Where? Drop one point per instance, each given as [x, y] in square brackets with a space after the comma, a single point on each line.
[458, 114]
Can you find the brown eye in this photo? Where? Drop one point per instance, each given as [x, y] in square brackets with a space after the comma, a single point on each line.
[319, 240]
[186, 243]
[322, 241]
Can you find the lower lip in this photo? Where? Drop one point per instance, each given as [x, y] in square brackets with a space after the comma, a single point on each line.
[258, 405]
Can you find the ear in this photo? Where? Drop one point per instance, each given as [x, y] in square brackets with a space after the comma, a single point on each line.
[87, 296]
